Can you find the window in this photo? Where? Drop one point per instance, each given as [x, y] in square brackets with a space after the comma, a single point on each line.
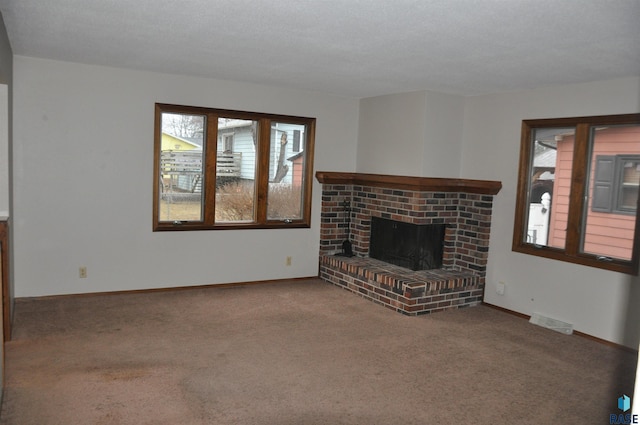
[221, 169]
[578, 191]
[616, 181]
[296, 141]
[227, 143]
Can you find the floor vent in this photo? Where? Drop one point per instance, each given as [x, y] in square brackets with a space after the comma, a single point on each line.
[553, 324]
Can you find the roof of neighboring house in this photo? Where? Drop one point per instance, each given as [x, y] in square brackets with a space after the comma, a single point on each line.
[546, 159]
[194, 141]
[296, 156]
[234, 124]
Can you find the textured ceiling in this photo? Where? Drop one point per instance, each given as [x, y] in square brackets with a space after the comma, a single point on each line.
[356, 48]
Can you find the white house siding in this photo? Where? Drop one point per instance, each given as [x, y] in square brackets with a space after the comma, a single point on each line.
[242, 143]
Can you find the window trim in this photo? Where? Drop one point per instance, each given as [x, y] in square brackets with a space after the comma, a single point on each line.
[577, 196]
[210, 143]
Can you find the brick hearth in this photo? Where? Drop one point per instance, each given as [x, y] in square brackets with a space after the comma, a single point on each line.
[463, 205]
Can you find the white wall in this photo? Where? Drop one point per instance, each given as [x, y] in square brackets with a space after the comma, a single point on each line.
[6, 79]
[391, 134]
[597, 302]
[443, 135]
[413, 134]
[83, 165]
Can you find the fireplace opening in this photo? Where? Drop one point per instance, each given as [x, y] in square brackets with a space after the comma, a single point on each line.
[413, 246]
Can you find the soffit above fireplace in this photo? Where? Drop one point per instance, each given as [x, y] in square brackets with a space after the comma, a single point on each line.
[422, 184]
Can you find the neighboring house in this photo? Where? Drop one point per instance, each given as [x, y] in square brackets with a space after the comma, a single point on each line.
[236, 136]
[170, 143]
[613, 191]
[181, 164]
[297, 170]
[544, 165]
[294, 135]
[542, 182]
[236, 151]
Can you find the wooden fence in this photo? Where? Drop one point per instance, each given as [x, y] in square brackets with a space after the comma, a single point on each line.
[182, 170]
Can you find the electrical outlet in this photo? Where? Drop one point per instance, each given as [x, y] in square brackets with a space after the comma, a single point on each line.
[288, 261]
[82, 272]
[500, 287]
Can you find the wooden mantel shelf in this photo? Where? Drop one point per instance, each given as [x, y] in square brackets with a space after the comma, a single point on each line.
[421, 184]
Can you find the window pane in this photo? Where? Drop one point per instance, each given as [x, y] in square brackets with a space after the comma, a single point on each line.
[549, 186]
[181, 179]
[286, 171]
[236, 170]
[628, 191]
[614, 171]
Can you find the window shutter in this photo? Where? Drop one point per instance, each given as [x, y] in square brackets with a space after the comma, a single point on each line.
[602, 199]
[296, 140]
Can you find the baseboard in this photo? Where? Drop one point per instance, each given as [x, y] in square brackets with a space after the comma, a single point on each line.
[578, 333]
[171, 289]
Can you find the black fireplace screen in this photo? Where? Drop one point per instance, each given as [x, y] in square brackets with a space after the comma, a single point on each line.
[414, 246]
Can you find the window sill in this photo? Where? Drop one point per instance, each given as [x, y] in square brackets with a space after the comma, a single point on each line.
[169, 227]
[620, 266]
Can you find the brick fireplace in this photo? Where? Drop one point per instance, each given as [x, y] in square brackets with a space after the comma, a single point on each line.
[350, 200]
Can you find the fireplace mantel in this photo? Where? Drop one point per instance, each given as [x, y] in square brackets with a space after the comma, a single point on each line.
[423, 184]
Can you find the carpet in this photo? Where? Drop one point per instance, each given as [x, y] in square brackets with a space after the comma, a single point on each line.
[296, 352]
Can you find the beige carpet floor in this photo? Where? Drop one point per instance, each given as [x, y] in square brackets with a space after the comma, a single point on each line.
[301, 352]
